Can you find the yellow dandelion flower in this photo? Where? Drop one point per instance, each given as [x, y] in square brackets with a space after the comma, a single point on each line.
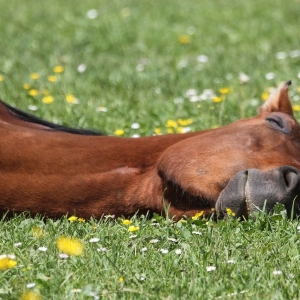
[198, 215]
[33, 92]
[58, 69]
[72, 218]
[185, 122]
[126, 222]
[215, 126]
[170, 130]
[48, 99]
[31, 295]
[7, 262]
[171, 123]
[179, 129]
[34, 76]
[265, 96]
[26, 86]
[133, 228]
[157, 130]
[217, 99]
[183, 221]
[69, 246]
[184, 39]
[296, 107]
[121, 279]
[1, 78]
[119, 132]
[37, 231]
[224, 90]
[70, 98]
[230, 212]
[81, 220]
[52, 78]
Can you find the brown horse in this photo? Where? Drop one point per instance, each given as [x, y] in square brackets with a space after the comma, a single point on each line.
[52, 170]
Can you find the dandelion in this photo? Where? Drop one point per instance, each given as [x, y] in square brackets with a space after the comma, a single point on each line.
[1, 78]
[157, 130]
[217, 99]
[43, 249]
[224, 90]
[265, 96]
[71, 99]
[48, 99]
[171, 123]
[277, 272]
[178, 251]
[72, 218]
[184, 39]
[185, 122]
[94, 240]
[31, 295]
[81, 220]
[34, 76]
[230, 212]
[58, 69]
[26, 86]
[198, 215]
[135, 126]
[133, 228]
[154, 241]
[121, 279]
[52, 78]
[126, 222]
[92, 14]
[164, 251]
[101, 109]
[119, 132]
[33, 92]
[210, 268]
[81, 68]
[69, 246]
[183, 221]
[7, 261]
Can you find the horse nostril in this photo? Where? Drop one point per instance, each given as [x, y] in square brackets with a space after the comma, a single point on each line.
[290, 176]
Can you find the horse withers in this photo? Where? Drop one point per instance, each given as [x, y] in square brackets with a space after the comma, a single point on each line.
[53, 170]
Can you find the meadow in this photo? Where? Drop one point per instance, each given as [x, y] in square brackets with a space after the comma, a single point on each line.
[135, 68]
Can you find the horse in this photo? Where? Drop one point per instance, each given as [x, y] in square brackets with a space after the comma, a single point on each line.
[242, 167]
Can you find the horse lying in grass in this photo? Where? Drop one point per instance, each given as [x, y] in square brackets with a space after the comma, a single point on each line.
[53, 170]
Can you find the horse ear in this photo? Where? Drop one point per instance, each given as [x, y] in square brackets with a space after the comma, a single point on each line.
[279, 100]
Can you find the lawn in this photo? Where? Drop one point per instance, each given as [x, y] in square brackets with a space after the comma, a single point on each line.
[137, 68]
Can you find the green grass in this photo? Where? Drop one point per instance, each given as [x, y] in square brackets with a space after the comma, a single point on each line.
[136, 67]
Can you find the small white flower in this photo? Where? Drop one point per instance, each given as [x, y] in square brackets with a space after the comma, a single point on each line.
[133, 236]
[103, 249]
[182, 64]
[94, 240]
[140, 67]
[164, 251]
[63, 255]
[178, 100]
[32, 107]
[210, 268]
[277, 272]
[30, 285]
[270, 76]
[230, 261]
[109, 216]
[135, 126]
[296, 98]
[197, 232]
[186, 129]
[76, 290]
[18, 244]
[143, 278]
[157, 90]
[243, 78]
[295, 53]
[92, 14]
[135, 136]
[81, 68]
[178, 251]
[298, 75]
[194, 98]
[43, 249]
[144, 249]
[173, 240]
[191, 30]
[154, 241]
[190, 92]
[280, 55]
[101, 109]
[93, 294]
[202, 59]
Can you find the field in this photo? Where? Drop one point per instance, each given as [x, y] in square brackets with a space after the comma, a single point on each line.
[136, 68]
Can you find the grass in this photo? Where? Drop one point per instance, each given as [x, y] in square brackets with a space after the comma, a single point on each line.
[141, 58]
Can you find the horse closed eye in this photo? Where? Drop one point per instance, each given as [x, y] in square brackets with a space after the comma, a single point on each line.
[278, 123]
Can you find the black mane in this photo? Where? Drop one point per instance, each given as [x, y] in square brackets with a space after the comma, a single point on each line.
[33, 119]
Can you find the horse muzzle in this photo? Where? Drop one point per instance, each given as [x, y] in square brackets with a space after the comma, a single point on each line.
[254, 190]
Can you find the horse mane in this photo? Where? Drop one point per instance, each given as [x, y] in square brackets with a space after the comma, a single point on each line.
[36, 120]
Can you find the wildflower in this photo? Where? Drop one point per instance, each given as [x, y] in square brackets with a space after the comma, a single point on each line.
[280, 55]
[182, 221]
[126, 222]
[296, 107]
[7, 261]
[144, 249]
[34, 76]
[197, 232]
[58, 69]
[30, 285]
[184, 39]
[178, 100]
[217, 99]
[265, 96]
[171, 123]
[1, 78]
[224, 90]
[154, 241]
[52, 78]
[31, 295]
[81, 68]
[157, 130]
[92, 14]
[198, 215]
[140, 67]
[270, 76]
[37, 231]
[63, 255]
[71, 99]
[76, 290]
[101, 109]
[125, 12]
[73, 218]
[230, 212]
[277, 272]
[32, 107]
[185, 122]
[243, 78]
[230, 261]
[164, 251]
[173, 240]
[133, 228]
[190, 92]
[81, 220]
[18, 244]
[170, 130]
[182, 64]
[295, 53]
[48, 99]
[119, 132]
[26, 86]
[210, 268]
[135, 135]
[178, 251]
[202, 58]
[94, 240]
[43, 249]
[121, 279]
[33, 92]
[135, 126]
[103, 249]
[69, 246]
